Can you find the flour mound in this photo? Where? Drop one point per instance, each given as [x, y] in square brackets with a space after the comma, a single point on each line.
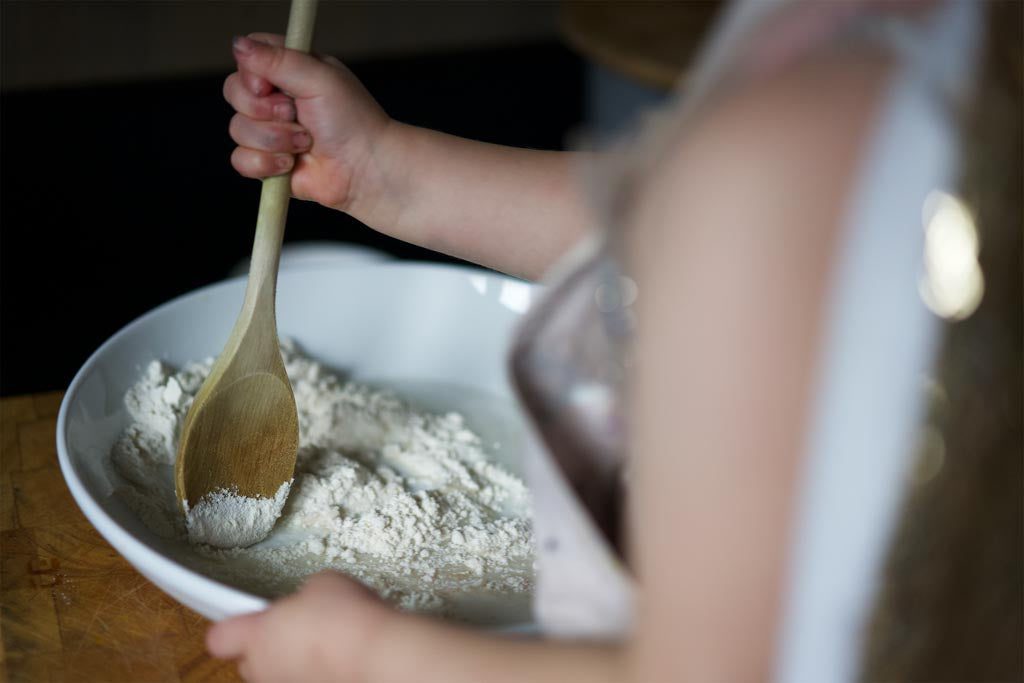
[225, 519]
[406, 501]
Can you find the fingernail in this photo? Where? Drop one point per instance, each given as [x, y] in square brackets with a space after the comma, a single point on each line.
[241, 44]
[284, 111]
[300, 140]
[284, 163]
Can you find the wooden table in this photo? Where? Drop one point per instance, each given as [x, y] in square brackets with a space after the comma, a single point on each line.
[71, 608]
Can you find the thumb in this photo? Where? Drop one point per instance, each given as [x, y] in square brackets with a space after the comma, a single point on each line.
[229, 639]
[298, 74]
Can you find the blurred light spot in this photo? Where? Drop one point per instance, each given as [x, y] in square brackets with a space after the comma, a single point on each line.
[953, 283]
[479, 283]
[931, 456]
[592, 398]
[936, 398]
[515, 296]
[934, 391]
[610, 296]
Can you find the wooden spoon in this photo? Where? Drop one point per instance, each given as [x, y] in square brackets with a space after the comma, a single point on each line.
[241, 434]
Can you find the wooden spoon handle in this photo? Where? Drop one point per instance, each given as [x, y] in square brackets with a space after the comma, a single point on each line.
[300, 25]
[266, 248]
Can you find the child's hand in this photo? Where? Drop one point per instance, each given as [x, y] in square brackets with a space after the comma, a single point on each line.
[510, 209]
[303, 111]
[326, 631]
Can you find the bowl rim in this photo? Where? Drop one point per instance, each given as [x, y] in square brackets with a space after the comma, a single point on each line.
[136, 551]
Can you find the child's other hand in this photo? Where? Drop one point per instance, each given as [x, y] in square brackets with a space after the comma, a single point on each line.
[302, 111]
[326, 631]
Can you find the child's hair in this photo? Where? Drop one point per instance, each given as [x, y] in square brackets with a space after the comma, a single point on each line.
[951, 606]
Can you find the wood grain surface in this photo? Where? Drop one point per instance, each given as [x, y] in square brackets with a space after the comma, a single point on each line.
[71, 608]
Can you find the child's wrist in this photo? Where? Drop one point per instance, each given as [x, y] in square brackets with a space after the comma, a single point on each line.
[378, 186]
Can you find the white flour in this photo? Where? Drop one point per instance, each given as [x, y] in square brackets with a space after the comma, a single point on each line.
[225, 519]
[406, 501]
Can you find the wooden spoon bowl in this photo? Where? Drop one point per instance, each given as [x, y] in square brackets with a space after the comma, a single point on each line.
[240, 438]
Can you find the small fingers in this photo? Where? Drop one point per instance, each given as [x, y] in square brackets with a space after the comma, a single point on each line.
[245, 670]
[276, 106]
[255, 84]
[295, 72]
[229, 639]
[275, 39]
[254, 163]
[258, 86]
[269, 136]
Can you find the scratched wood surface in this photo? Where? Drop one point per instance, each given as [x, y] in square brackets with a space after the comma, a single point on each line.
[71, 608]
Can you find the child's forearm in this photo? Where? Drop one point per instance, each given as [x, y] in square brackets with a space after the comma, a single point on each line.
[428, 651]
[515, 210]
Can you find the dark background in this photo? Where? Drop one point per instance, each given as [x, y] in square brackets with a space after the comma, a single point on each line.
[118, 195]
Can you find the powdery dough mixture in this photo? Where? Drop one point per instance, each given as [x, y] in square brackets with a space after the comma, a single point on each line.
[225, 519]
[405, 501]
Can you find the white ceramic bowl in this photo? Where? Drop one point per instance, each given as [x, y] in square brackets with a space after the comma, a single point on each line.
[389, 323]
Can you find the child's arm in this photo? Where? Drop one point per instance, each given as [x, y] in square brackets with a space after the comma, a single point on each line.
[511, 209]
[515, 210]
[733, 245]
[456, 654]
[334, 629]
